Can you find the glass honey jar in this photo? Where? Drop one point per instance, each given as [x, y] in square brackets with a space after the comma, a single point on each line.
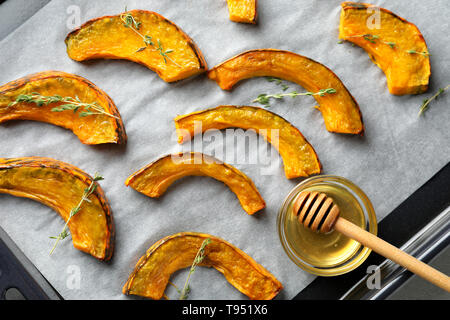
[333, 253]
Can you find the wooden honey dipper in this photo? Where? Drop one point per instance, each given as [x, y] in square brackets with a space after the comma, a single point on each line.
[317, 211]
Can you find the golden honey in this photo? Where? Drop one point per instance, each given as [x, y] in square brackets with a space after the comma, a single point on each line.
[333, 248]
[332, 253]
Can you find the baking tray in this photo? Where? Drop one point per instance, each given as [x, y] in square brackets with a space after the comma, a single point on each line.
[424, 220]
[419, 216]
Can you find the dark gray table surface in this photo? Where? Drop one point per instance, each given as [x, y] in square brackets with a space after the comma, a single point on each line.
[15, 12]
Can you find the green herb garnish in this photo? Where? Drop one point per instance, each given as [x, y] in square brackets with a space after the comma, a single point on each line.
[164, 53]
[390, 44]
[197, 260]
[373, 39]
[130, 22]
[278, 82]
[264, 98]
[425, 54]
[87, 192]
[426, 102]
[69, 103]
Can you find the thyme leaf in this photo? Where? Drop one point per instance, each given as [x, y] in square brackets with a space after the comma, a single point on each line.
[425, 54]
[426, 102]
[278, 82]
[69, 103]
[87, 192]
[264, 98]
[200, 256]
[164, 53]
[390, 44]
[371, 38]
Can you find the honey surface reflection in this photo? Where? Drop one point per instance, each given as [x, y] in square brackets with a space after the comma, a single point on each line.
[333, 248]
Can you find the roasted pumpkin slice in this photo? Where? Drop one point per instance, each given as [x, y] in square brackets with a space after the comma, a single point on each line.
[340, 110]
[154, 179]
[92, 115]
[242, 10]
[141, 36]
[152, 272]
[395, 45]
[61, 187]
[299, 157]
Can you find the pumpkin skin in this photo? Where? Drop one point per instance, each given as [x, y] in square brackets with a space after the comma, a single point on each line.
[242, 10]
[92, 129]
[299, 157]
[107, 37]
[61, 186]
[406, 73]
[153, 270]
[340, 110]
[154, 179]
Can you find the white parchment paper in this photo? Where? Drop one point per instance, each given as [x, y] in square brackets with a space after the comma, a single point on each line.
[397, 155]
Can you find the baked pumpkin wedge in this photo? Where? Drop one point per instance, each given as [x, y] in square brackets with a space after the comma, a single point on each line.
[153, 270]
[141, 36]
[92, 114]
[299, 157]
[154, 179]
[395, 45]
[61, 186]
[340, 110]
[242, 10]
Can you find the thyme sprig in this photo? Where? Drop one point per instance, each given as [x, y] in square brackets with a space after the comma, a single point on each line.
[130, 22]
[85, 198]
[373, 39]
[69, 103]
[426, 102]
[264, 98]
[200, 256]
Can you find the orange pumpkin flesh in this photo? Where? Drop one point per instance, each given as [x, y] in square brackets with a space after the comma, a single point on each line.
[61, 186]
[340, 111]
[299, 157]
[406, 73]
[242, 10]
[154, 179]
[107, 37]
[152, 272]
[92, 129]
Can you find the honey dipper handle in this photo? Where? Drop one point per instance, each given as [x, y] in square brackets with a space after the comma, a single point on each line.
[389, 251]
